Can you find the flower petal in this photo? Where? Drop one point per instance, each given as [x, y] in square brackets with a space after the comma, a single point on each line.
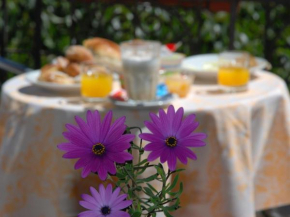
[115, 194]
[97, 120]
[154, 129]
[102, 172]
[89, 198]
[95, 164]
[150, 137]
[187, 126]
[108, 194]
[164, 155]
[127, 138]
[191, 141]
[88, 205]
[181, 155]
[78, 139]
[119, 199]
[116, 130]
[154, 155]
[106, 126]
[119, 214]
[165, 123]
[154, 146]
[171, 160]
[123, 205]
[120, 157]
[170, 114]
[67, 146]
[97, 196]
[89, 214]
[118, 147]
[82, 162]
[88, 131]
[78, 153]
[110, 167]
[177, 120]
[86, 171]
[93, 124]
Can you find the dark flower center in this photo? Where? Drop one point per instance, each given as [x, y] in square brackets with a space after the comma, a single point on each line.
[171, 141]
[98, 149]
[106, 210]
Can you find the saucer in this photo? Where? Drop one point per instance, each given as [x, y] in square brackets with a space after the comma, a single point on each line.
[163, 101]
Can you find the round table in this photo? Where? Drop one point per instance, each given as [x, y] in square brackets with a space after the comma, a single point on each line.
[244, 167]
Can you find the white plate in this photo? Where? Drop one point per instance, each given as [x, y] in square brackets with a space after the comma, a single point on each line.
[32, 77]
[207, 64]
[166, 100]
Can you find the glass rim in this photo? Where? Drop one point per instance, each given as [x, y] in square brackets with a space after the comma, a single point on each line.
[139, 43]
[237, 52]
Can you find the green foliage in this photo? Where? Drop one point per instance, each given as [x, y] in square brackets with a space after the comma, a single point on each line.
[147, 200]
[201, 31]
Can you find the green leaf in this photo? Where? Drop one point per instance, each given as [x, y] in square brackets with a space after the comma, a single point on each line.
[152, 188]
[136, 213]
[149, 192]
[148, 179]
[161, 172]
[141, 163]
[167, 214]
[173, 183]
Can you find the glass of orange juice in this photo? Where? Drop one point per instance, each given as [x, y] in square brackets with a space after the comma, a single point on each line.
[96, 82]
[178, 82]
[233, 73]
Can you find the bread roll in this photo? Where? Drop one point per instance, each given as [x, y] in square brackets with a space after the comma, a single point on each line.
[62, 62]
[78, 53]
[73, 69]
[103, 47]
[51, 73]
[106, 52]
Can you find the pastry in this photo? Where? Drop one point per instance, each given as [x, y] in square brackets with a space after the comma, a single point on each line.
[106, 52]
[51, 73]
[78, 53]
[61, 61]
[73, 69]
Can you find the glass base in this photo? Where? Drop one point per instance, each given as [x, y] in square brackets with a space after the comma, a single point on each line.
[234, 89]
[94, 99]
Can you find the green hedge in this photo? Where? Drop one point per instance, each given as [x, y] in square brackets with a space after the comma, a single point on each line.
[64, 24]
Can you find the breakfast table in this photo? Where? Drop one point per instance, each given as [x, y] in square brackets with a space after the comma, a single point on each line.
[244, 167]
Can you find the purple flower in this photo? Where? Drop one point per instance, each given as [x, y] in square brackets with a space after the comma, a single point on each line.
[104, 203]
[97, 144]
[171, 137]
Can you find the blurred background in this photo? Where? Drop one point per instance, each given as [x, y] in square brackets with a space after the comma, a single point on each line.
[33, 32]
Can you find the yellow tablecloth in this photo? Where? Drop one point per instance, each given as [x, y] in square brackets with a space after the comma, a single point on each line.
[244, 167]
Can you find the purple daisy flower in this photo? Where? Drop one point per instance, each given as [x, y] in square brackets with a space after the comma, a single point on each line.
[97, 144]
[171, 137]
[105, 203]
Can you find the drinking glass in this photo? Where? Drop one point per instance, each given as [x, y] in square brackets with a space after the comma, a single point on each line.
[233, 73]
[141, 63]
[178, 82]
[96, 82]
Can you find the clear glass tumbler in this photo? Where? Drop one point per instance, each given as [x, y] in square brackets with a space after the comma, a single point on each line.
[141, 64]
[233, 72]
[96, 82]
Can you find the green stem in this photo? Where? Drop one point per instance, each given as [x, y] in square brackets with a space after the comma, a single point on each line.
[140, 146]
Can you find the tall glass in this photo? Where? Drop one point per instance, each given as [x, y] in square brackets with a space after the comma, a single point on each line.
[233, 72]
[141, 63]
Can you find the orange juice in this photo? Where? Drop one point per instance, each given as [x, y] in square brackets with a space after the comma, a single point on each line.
[96, 85]
[179, 84]
[233, 76]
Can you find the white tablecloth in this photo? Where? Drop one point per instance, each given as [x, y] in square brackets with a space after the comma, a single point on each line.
[244, 167]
